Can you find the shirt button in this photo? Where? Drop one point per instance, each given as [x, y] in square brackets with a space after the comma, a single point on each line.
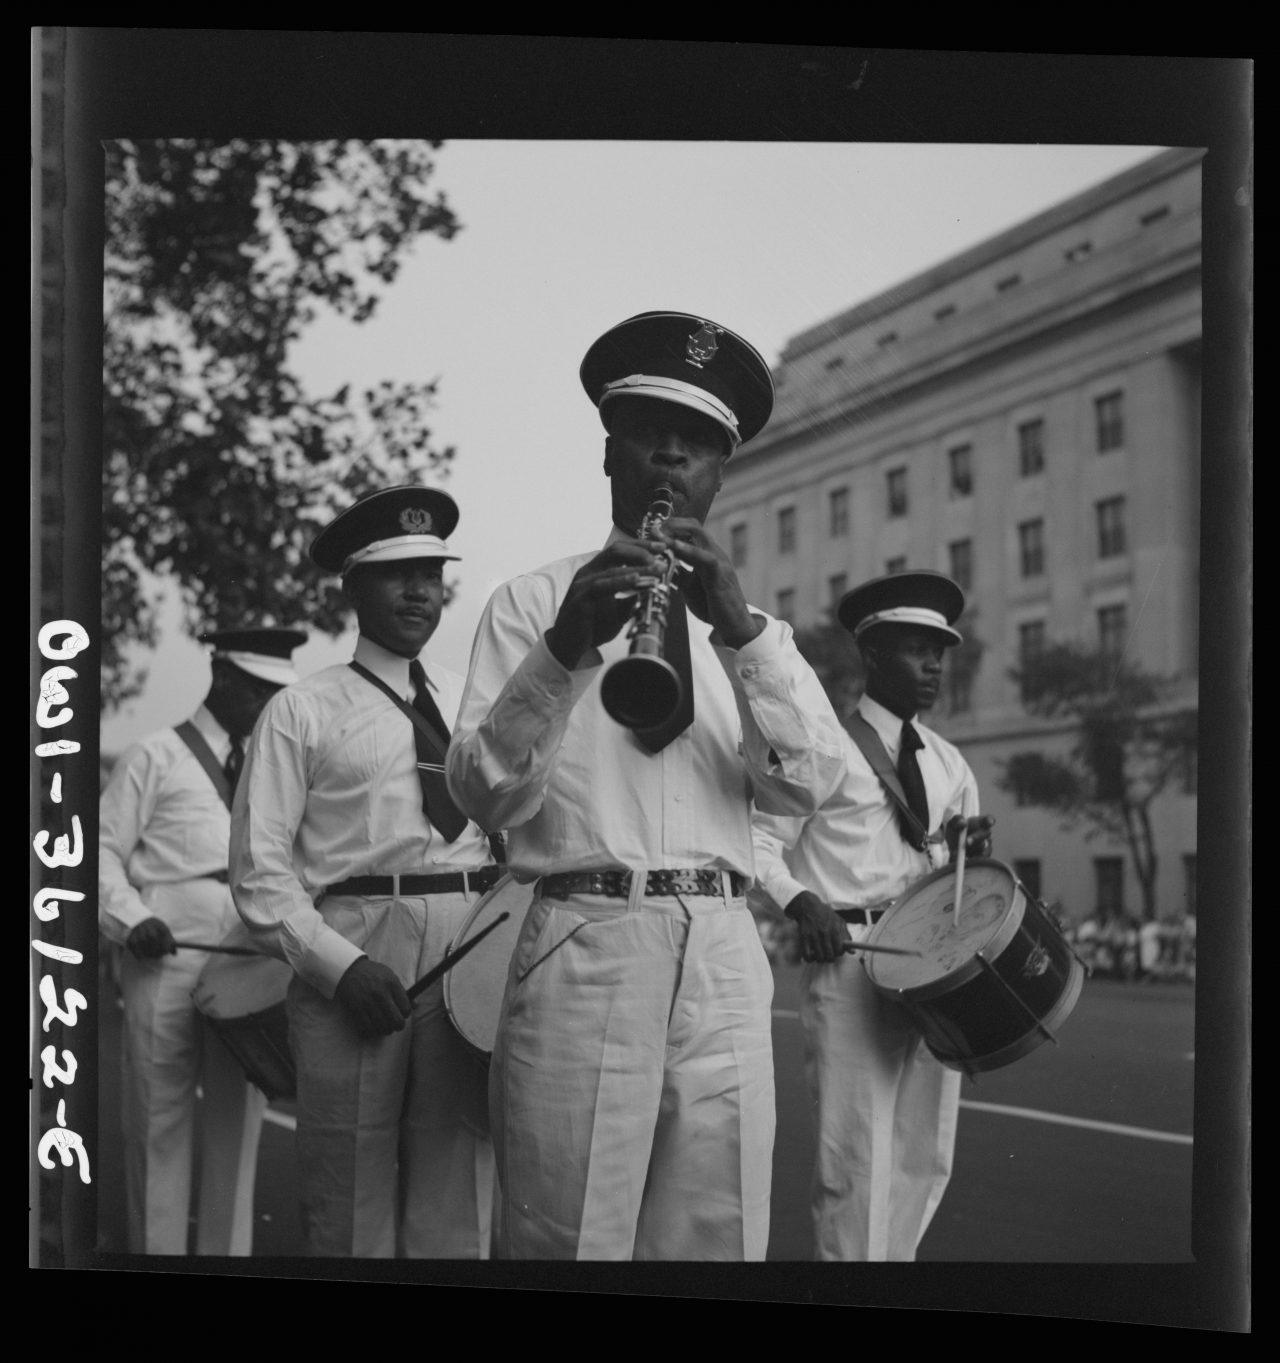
[749, 671]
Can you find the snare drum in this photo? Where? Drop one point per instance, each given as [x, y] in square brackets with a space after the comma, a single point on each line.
[243, 1000]
[473, 988]
[988, 990]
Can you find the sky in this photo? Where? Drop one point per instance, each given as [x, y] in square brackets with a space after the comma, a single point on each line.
[562, 240]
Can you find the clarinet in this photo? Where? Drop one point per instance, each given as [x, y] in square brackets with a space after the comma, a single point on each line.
[643, 690]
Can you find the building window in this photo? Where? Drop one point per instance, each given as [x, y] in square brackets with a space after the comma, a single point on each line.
[835, 363]
[1111, 535]
[787, 605]
[787, 530]
[1031, 448]
[738, 545]
[961, 462]
[838, 509]
[895, 565]
[961, 554]
[1189, 884]
[1030, 647]
[959, 685]
[837, 585]
[1008, 282]
[1113, 630]
[1108, 875]
[887, 339]
[1109, 418]
[943, 313]
[897, 482]
[1080, 251]
[1154, 216]
[1027, 869]
[1031, 548]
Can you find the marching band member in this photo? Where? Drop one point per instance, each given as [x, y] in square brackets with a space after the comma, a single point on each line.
[886, 1108]
[350, 862]
[162, 878]
[632, 1079]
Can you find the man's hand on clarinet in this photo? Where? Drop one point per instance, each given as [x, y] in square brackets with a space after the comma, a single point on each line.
[373, 998]
[600, 600]
[978, 835]
[711, 587]
[151, 939]
[823, 934]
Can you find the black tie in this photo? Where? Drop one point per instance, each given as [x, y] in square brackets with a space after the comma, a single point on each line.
[437, 803]
[913, 786]
[675, 649]
[234, 764]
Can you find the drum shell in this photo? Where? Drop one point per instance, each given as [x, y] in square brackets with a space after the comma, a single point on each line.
[260, 1043]
[243, 1001]
[474, 987]
[1006, 999]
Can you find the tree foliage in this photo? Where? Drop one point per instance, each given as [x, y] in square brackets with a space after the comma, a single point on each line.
[1129, 741]
[217, 465]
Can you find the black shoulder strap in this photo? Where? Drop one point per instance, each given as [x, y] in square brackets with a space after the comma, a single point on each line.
[203, 753]
[419, 722]
[865, 736]
[497, 848]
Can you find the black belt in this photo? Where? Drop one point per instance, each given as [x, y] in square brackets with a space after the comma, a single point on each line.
[864, 917]
[617, 884]
[382, 887]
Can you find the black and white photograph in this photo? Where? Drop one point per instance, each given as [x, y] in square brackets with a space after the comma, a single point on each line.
[640, 666]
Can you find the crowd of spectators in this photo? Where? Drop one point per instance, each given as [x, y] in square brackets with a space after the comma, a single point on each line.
[1123, 948]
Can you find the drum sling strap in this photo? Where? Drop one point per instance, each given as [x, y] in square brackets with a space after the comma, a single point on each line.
[435, 745]
[872, 748]
[203, 754]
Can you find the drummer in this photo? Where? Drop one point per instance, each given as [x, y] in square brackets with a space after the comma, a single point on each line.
[350, 862]
[886, 1109]
[164, 825]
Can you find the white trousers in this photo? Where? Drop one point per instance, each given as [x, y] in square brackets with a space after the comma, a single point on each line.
[169, 1049]
[886, 1117]
[393, 1134]
[632, 1082]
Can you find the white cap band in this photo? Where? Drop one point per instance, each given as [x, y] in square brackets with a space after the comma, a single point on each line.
[674, 390]
[261, 665]
[908, 615]
[401, 546]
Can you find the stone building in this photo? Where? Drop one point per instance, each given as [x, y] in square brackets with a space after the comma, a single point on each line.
[1024, 416]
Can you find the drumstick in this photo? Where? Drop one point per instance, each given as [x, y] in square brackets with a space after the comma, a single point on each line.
[867, 946]
[226, 951]
[452, 958]
[964, 842]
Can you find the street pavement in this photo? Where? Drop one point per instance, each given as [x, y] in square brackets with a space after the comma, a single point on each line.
[1079, 1153]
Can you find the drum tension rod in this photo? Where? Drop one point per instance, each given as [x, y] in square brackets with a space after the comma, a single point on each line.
[1004, 984]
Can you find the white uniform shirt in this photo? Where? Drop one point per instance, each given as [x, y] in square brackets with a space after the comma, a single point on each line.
[851, 853]
[160, 821]
[535, 752]
[330, 790]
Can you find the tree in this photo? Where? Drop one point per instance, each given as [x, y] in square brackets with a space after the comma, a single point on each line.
[1130, 739]
[217, 465]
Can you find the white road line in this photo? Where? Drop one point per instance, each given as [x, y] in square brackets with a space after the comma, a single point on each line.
[1113, 1128]
[1032, 1114]
[280, 1119]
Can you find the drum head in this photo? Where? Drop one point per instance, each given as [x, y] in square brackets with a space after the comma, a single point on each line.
[239, 986]
[923, 920]
[473, 989]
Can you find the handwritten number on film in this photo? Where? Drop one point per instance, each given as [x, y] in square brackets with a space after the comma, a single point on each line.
[60, 641]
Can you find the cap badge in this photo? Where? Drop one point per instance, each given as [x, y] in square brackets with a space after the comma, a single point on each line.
[415, 521]
[701, 347]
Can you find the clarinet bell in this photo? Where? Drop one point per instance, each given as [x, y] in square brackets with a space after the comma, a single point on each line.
[641, 691]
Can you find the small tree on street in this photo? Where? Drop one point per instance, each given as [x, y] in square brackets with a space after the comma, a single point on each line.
[1130, 740]
[217, 464]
